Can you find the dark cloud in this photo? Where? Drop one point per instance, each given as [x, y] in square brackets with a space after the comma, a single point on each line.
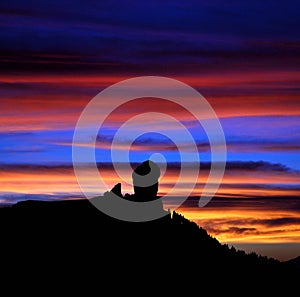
[142, 35]
[242, 225]
[280, 221]
[245, 165]
[284, 203]
[248, 226]
[242, 145]
[21, 150]
[256, 166]
[34, 168]
[242, 230]
[230, 165]
[12, 198]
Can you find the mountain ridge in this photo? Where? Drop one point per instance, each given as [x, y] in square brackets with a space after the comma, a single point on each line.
[73, 223]
[72, 239]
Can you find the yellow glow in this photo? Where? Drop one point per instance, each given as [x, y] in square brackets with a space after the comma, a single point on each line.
[227, 223]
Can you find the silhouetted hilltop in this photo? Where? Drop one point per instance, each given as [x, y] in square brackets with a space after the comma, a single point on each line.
[295, 262]
[77, 227]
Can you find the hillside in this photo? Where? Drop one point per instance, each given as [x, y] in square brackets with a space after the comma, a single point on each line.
[295, 262]
[77, 226]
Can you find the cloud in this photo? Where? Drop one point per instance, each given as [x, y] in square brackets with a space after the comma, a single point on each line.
[273, 222]
[34, 168]
[35, 100]
[244, 211]
[147, 37]
[281, 221]
[272, 181]
[256, 166]
[237, 230]
[12, 198]
[249, 220]
[22, 150]
[231, 165]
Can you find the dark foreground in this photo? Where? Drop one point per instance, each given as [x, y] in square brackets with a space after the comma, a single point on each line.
[75, 237]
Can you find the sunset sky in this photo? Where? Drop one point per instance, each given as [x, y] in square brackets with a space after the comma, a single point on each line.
[242, 56]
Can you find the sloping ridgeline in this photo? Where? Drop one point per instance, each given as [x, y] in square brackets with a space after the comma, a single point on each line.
[66, 235]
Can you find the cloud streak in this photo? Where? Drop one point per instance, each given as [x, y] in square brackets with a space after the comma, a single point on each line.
[250, 221]
[248, 179]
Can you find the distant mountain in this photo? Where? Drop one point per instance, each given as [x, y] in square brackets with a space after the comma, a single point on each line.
[68, 233]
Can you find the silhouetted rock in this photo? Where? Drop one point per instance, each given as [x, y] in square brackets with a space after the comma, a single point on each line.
[145, 184]
[145, 181]
[117, 190]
